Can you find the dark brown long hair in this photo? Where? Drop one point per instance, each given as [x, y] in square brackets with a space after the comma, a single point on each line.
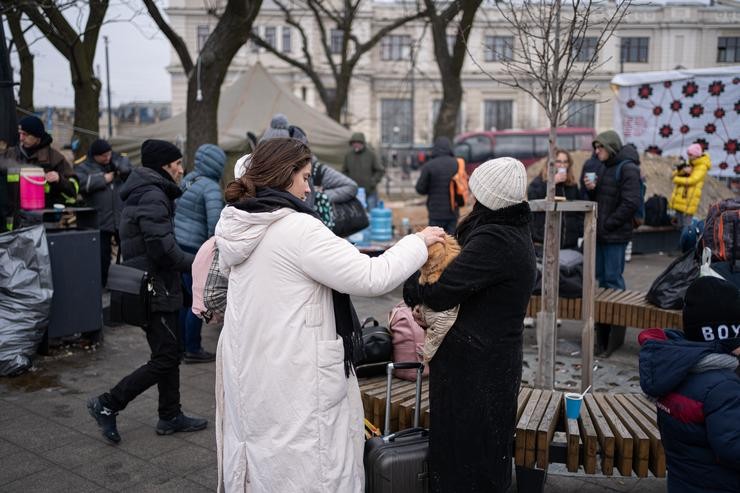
[570, 177]
[274, 162]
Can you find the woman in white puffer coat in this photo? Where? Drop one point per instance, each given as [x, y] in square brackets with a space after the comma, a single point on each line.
[289, 416]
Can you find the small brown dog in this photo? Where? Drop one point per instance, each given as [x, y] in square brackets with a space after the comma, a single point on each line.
[437, 323]
[440, 256]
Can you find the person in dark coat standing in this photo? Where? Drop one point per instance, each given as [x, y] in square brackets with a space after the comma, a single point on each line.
[434, 182]
[476, 373]
[695, 378]
[35, 149]
[148, 243]
[565, 187]
[362, 165]
[101, 177]
[617, 194]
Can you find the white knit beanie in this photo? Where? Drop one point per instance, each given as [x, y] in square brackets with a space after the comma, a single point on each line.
[499, 183]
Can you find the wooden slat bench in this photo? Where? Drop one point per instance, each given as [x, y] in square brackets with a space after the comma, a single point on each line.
[613, 431]
[614, 306]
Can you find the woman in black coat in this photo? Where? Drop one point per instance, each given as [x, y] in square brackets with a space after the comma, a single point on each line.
[566, 186]
[476, 373]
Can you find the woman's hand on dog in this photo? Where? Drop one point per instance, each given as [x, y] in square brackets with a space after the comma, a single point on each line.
[432, 235]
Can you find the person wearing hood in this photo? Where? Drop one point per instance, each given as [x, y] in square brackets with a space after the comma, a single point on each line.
[475, 375]
[148, 243]
[616, 190]
[695, 379]
[288, 411]
[434, 182]
[101, 177]
[362, 165]
[198, 210]
[35, 149]
[688, 181]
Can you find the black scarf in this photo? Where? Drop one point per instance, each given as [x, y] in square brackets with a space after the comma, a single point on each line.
[515, 215]
[345, 317]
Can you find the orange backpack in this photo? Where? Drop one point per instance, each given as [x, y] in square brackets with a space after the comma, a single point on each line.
[459, 186]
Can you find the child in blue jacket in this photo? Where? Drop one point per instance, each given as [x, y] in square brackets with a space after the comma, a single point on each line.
[694, 377]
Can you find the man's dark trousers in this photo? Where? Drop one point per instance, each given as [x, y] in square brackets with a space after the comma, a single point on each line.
[162, 369]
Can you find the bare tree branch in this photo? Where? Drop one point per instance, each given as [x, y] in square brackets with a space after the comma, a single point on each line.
[178, 44]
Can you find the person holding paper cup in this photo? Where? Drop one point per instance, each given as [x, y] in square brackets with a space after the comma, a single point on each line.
[566, 186]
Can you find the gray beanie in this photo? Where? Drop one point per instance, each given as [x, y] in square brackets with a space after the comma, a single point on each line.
[499, 183]
[278, 128]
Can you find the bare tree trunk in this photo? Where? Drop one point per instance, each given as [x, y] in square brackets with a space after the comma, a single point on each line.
[87, 106]
[25, 58]
[547, 318]
[230, 34]
[450, 64]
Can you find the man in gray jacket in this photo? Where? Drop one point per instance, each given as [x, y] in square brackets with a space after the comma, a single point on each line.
[100, 178]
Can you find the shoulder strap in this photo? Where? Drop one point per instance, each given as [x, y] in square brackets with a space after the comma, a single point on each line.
[318, 174]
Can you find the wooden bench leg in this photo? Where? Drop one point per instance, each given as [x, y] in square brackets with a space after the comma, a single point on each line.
[530, 480]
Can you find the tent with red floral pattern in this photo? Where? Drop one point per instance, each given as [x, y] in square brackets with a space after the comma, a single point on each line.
[665, 112]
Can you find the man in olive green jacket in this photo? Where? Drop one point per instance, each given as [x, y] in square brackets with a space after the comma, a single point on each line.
[362, 165]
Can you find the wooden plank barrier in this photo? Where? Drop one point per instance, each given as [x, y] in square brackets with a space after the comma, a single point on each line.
[614, 306]
[612, 430]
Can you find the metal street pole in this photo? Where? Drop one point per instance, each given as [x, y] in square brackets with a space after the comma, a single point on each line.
[107, 87]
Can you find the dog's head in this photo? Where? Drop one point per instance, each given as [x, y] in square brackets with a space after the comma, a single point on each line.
[440, 256]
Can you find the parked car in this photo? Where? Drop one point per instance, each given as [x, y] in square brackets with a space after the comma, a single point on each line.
[528, 146]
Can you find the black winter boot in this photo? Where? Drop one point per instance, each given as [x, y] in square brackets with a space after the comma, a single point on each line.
[106, 419]
[180, 423]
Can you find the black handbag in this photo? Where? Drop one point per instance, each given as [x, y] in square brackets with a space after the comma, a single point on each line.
[130, 294]
[349, 217]
[377, 349]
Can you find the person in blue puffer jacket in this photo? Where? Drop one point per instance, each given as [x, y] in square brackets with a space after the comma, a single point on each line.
[198, 210]
[694, 377]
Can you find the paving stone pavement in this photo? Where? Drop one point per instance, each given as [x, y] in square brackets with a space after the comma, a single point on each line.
[49, 443]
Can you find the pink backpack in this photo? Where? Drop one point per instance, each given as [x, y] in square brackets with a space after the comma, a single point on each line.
[408, 340]
[201, 265]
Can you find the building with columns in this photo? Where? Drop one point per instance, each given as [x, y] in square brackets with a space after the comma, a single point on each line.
[395, 104]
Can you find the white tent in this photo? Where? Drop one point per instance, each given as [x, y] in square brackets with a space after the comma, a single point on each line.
[248, 104]
[664, 112]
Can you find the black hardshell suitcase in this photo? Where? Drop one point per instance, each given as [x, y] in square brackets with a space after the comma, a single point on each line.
[397, 462]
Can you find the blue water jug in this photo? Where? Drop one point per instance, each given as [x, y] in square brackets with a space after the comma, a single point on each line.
[381, 221]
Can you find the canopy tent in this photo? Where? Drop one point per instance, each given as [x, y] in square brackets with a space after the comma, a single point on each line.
[664, 112]
[248, 104]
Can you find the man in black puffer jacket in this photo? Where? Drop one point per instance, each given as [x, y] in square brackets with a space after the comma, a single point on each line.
[148, 243]
[617, 193]
[434, 182]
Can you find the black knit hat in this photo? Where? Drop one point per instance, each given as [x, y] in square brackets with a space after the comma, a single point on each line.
[32, 125]
[157, 153]
[99, 147]
[711, 311]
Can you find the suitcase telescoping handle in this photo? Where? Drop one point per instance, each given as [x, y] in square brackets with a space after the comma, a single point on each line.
[402, 366]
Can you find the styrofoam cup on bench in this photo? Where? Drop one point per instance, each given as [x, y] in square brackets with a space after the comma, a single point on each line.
[573, 403]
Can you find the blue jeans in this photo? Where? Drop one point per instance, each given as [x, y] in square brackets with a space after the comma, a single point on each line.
[449, 225]
[610, 264]
[190, 324]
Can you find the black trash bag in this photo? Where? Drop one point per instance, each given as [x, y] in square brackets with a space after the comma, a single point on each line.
[25, 296]
[669, 288]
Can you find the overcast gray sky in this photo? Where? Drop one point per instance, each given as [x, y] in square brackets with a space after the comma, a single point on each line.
[139, 55]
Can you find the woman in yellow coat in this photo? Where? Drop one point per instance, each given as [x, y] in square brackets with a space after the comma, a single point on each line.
[688, 181]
